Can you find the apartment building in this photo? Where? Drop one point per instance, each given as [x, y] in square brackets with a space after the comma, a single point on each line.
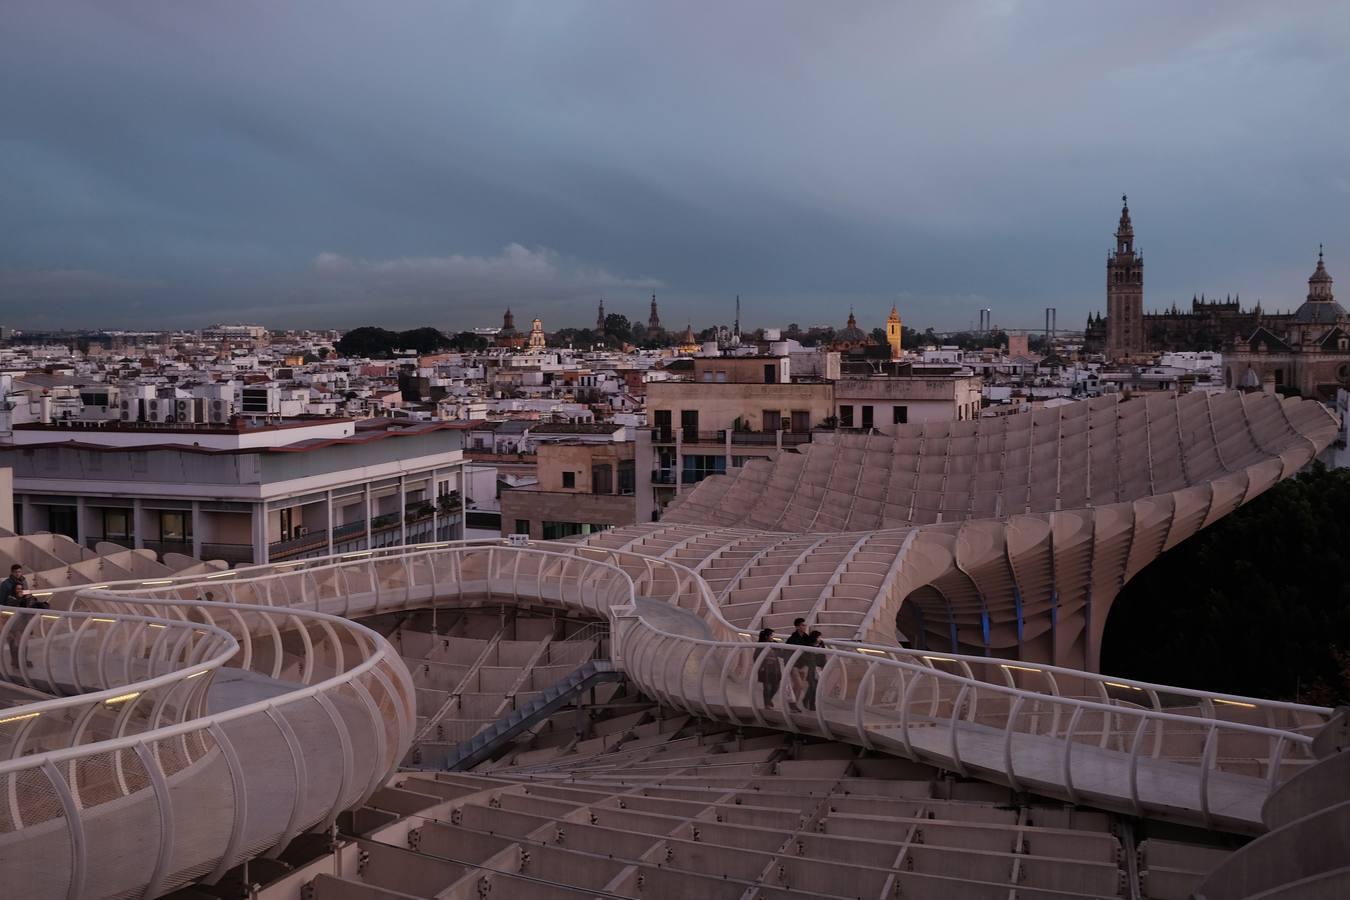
[880, 403]
[584, 487]
[243, 492]
[717, 412]
[713, 414]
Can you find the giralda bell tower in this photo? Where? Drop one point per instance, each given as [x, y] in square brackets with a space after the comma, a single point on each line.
[1124, 293]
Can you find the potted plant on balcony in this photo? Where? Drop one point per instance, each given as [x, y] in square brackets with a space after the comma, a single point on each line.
[448, 504]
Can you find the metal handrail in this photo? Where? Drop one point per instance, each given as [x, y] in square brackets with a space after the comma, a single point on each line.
[261, 604]
[172, 755]
[644, 667]
[707, 606]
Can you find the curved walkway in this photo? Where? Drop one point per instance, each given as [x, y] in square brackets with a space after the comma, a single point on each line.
[104, 784]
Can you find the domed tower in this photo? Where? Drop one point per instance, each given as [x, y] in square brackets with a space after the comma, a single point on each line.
[1320, 281]
[1124, 292]
[1321, 307]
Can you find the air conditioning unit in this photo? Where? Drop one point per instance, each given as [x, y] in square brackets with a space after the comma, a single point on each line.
[129, 409]
[218, 411]
[518, 540]
[157, 410]
[185, 409]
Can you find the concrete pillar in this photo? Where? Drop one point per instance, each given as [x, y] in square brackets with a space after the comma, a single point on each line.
[81, 530]
[434, 495]
[197, 529]
[368, 515]
[329, 508]
[26, 513]
[402, 509]
[260, 532]
[137, 526]
[678, 462]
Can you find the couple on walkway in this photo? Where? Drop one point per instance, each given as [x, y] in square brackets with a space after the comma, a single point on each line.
[804, 675]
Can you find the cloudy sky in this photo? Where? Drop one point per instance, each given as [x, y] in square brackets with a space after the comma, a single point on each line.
[403, 163]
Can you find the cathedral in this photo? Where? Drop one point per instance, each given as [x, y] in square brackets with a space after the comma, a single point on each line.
[1127, 332]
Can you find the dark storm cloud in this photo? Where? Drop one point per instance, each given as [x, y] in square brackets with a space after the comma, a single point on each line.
[331, 163]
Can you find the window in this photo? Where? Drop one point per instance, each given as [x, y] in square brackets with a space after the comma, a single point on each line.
[846, 416]
[522, 526]
[867, 417]
[175, 526]
[627, 476]
[771, 374]
[116, 524]
[899, 415]
[602, 480]
[62, 520]
[801, 421]
[689, 424]
[698, 467]
[768, 420]
[569, 480]
[661, 421]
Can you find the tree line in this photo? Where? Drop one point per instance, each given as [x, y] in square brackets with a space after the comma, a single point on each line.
[1257, 604]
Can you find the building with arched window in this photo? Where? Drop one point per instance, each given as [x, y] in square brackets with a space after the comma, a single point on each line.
[1309, 354]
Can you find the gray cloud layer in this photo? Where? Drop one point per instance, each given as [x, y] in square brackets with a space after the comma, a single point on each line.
[334, 163]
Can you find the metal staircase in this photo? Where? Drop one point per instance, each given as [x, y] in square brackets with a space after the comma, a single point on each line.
[481, 746]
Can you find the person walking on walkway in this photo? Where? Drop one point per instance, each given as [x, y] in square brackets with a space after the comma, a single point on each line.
[14, 592]
[799, 634]
[770, 667]
[810, 663]
[797, 675]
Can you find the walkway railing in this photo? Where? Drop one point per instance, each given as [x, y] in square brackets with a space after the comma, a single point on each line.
[1114, 754]
[309, 711]
[316, 713]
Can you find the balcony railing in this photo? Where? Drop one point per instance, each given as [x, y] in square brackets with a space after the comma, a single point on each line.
[663, 476]
[234, 554]
[385, 531]
[755, 438]
[162, 547]
[124, 540]
[743, 438]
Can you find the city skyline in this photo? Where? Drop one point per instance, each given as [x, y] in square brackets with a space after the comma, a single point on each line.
[344, 169]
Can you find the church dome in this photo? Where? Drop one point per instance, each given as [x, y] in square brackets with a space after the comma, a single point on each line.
[1319, 312]
[1321, 307]
[850, 333]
